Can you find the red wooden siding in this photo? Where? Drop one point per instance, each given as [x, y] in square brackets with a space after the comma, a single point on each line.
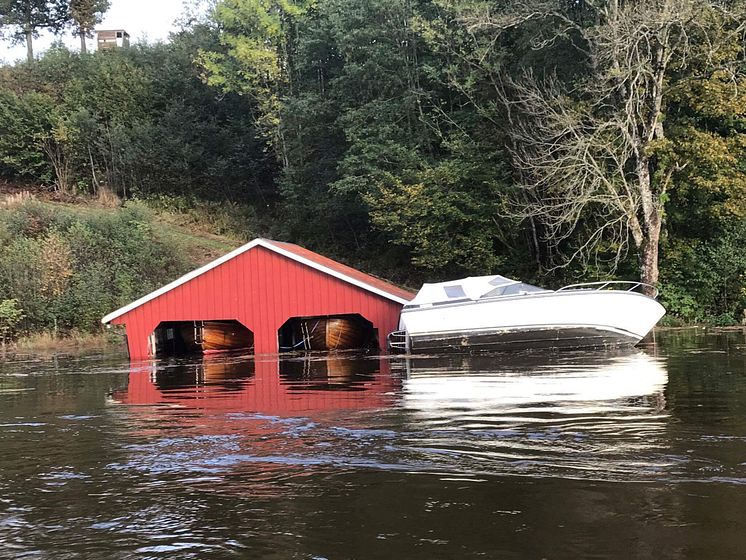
[262, 289]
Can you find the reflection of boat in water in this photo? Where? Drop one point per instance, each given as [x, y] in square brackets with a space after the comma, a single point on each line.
[493, 386]
[342, 332]
[213, 371]
[331, 371]
[494, 312]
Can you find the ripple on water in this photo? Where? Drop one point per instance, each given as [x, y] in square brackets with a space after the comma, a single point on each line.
[421, 455]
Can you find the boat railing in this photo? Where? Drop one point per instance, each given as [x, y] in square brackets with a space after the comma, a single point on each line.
[621, 285]
[398, 340]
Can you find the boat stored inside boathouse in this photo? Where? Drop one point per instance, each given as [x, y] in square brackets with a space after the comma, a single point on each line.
[264, 297]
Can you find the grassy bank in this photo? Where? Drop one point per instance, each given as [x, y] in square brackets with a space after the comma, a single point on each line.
[64, 265]
[43, 343]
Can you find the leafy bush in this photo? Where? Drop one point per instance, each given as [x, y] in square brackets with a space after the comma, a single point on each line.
[706, 280]
[70, 267]
[25, 124]
[10, 315]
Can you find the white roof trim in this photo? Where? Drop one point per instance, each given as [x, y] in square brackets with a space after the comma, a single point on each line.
[267, 244]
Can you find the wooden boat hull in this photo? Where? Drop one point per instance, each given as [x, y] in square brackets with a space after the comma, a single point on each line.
[223, 336]
[329, 333]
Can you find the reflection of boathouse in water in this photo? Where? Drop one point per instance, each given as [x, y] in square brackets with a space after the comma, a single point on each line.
[264, 297]
[287, 386]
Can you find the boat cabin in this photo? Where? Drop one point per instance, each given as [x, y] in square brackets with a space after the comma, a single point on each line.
[469, 289]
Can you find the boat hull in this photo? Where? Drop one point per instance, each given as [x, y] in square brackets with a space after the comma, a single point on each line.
[573, 319]
[225, 336]
[520, 338]
[329, 333]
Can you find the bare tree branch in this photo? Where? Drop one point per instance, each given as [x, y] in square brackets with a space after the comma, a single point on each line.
[585, 153]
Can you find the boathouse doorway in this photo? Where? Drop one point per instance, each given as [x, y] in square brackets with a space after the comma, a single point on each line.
[188, 338]
[327, 332]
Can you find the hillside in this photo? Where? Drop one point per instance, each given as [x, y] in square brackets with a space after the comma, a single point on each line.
[65, 264]
[472, 151]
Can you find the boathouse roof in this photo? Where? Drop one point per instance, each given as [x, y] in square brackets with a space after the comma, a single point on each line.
[291, 251]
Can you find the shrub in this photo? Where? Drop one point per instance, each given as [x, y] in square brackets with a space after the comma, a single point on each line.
[11, 315]
[68, 267]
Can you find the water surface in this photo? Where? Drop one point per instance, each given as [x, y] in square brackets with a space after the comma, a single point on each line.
[636, 454]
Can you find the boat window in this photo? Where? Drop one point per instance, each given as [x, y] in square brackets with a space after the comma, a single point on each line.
[496, 292]
[455, 291]
[499, 281]
[521, 288]
[513, 289]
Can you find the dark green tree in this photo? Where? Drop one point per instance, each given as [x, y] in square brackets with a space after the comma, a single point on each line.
[383, 148]
[85, 15]
[138, 121]
[585, 146]
[24, 19]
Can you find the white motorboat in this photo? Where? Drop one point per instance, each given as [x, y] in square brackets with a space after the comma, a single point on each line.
[497, 313]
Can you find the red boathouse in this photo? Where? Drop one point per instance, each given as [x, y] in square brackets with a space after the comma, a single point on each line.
[261, 286]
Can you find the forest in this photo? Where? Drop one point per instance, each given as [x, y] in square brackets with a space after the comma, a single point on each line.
[548, 140]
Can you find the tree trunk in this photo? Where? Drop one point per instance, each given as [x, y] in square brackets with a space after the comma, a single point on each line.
[60, 165]
[649, 257]
[83, 48]
[29, 46]
[651, 222]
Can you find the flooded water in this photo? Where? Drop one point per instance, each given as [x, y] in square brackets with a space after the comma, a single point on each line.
[637, 454]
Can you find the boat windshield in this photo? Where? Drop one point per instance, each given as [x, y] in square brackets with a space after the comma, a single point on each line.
[518, 288]
[473, 288]
[456, 290]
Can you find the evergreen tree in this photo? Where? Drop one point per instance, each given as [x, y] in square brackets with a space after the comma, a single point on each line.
[25, 18]
[84, 15]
